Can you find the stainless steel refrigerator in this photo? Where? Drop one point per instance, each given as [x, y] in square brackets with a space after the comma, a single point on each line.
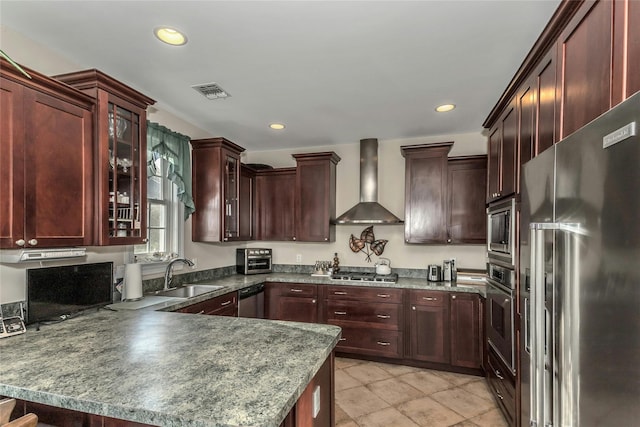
[580, 277]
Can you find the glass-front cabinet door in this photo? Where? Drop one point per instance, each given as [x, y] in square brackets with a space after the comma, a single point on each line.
[231, 180]
[120, 154]
[126, 212]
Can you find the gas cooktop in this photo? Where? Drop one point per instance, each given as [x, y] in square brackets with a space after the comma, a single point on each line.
[352, 276]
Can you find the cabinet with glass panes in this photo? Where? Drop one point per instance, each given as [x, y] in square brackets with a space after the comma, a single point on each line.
[121, 141]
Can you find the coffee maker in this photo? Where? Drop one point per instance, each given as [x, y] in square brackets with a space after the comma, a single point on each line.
[434, 273]
[449, 272]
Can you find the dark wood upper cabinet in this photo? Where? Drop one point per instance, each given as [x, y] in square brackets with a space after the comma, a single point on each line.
[466, 189]
[584, 63]
[275, 203]
[315, 201]
[584, 71]
[120, 157]
[444, 197]
[216, 190]
[46, 162]
[426, 192]
[503, 150]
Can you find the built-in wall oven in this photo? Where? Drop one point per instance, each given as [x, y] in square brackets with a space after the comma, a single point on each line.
[500, 312]
[501, 232]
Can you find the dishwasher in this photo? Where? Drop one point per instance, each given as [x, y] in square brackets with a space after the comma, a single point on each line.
[251, 301]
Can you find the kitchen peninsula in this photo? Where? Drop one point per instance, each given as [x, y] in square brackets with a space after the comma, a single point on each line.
[173, 369]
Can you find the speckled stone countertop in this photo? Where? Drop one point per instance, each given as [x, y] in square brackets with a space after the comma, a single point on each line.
[238, 281]
[168, 369]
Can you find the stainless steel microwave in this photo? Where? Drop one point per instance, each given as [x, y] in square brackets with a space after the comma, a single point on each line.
[501, 232]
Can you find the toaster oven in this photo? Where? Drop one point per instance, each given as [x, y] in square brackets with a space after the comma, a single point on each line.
[253, 261]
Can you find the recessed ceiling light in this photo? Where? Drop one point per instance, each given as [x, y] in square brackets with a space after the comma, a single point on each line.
[444, 108]
[276, 126]
[170, 36]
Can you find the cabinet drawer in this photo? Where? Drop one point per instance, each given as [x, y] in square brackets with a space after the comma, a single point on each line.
[502, 386]
[298, 290]
[373, 294]
[385, 316]
[433, 298]
[377, 342]
[212, 305]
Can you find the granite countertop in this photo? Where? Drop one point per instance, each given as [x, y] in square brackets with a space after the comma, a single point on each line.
[168, 369]
[238, 281]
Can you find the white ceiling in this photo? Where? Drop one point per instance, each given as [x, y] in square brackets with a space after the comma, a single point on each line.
[333, 71]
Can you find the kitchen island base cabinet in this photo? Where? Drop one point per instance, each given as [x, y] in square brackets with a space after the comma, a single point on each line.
[305, 413]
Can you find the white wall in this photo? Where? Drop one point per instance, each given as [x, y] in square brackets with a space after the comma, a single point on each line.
[390, 195]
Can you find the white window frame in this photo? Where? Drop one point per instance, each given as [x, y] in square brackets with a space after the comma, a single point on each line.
[174, 227]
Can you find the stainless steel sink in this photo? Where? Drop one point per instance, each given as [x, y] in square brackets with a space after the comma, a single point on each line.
[188, 291]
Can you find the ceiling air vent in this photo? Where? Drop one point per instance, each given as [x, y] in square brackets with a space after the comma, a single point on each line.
[212, 91]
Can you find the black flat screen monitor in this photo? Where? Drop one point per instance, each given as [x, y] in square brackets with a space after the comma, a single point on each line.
[56, 293]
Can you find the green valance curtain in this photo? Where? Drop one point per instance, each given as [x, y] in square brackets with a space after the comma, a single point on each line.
[173, 147]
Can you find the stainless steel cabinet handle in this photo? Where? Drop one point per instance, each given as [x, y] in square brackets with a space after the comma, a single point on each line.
[383, 316]
[20, 242]
[430, 299]
[222, 304]
[384, 295]
[499, 396]
[343, 339]
[200, 312]
[33, 242]
[339, 293]
[295, 290]
[498, 374]
[383, 343]
[340, 313]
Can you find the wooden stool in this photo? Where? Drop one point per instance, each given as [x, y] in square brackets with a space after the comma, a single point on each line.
[29, 420]
[6, 407]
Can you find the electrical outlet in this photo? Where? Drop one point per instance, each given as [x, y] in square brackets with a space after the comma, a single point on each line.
[299, 258]
[195, 263]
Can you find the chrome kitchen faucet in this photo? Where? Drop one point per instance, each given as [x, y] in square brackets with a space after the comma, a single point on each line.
[168, 277]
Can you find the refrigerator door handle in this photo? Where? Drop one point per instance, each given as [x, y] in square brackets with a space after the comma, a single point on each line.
[537, 324]
[544, 359]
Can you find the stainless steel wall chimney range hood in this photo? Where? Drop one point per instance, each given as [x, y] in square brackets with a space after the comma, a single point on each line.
[368, 211]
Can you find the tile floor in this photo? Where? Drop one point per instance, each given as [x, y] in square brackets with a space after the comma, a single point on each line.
[370, 394]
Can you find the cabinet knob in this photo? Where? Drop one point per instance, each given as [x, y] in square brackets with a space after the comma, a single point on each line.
[20, 242]
[33, 242]
[294, 238]
[326, 238]
[448, 240]
[313, 301]
[453, 297]
[145, 240]
[413, 307]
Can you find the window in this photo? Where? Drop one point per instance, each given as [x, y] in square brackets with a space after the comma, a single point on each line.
[164, 215]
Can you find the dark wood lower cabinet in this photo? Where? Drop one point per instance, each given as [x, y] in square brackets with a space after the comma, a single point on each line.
[223, 305]
[466, 330]
[429, 326]
[502, 385]
[291, 301]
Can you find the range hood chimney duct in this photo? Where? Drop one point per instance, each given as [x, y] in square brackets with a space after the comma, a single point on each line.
[368, 211]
